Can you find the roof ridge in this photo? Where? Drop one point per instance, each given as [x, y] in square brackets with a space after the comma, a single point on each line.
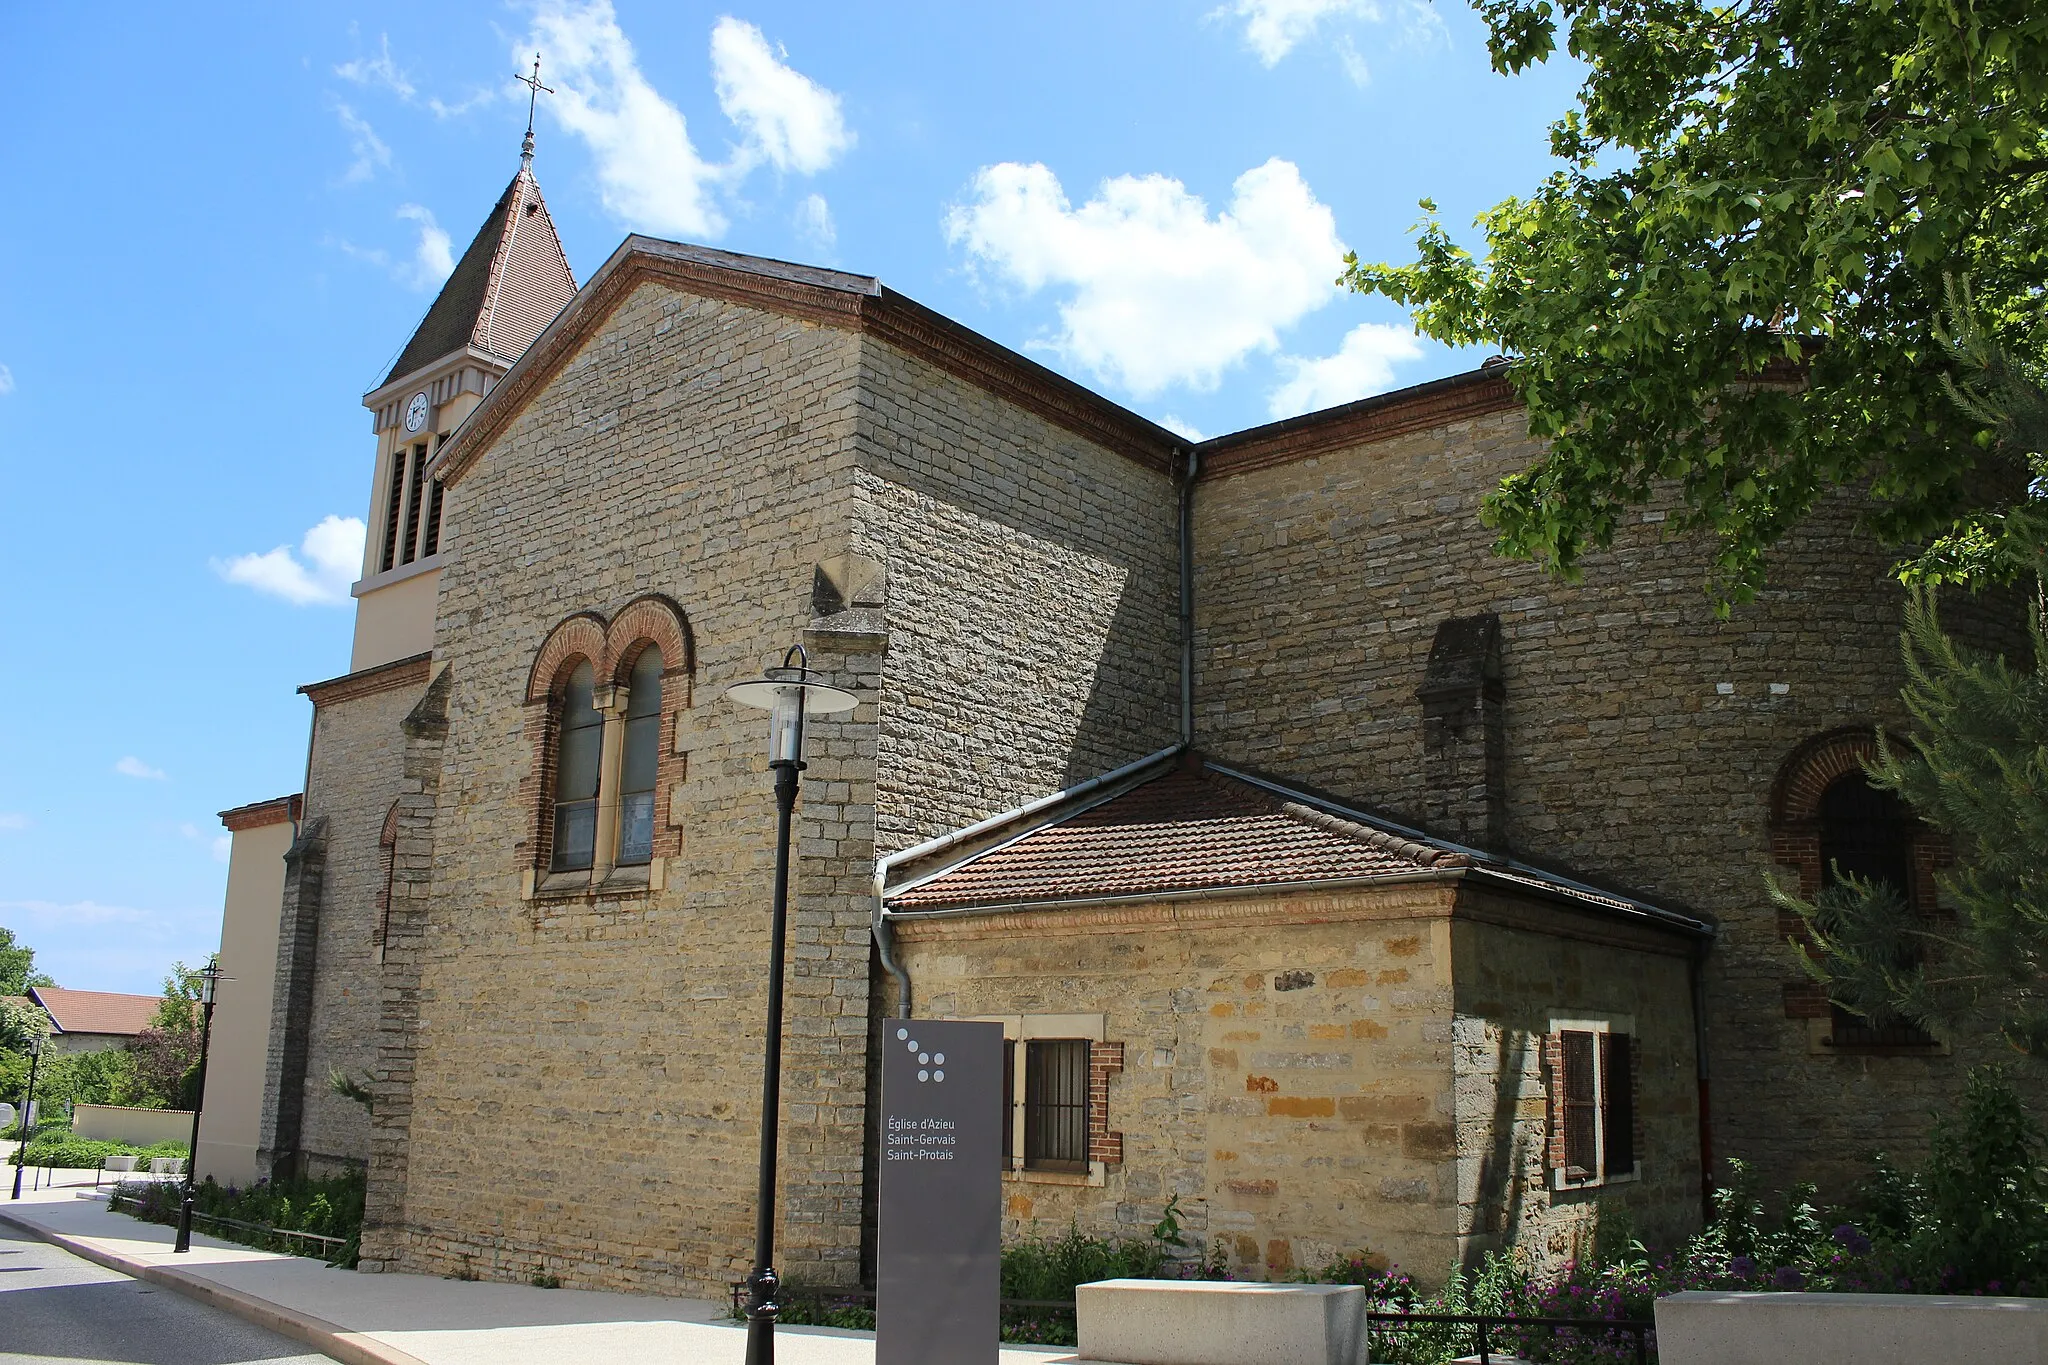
[1426, 854]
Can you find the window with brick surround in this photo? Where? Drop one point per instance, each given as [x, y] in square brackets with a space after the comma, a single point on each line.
[1828, 821]
[642, 757]
[578, 749]
[1056, 1072]
[1594, 1129]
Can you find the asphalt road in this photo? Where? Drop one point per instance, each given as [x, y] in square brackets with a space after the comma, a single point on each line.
[56, 1309]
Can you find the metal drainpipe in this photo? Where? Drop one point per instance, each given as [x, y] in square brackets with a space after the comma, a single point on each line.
[1697, 971]
[1187, 597]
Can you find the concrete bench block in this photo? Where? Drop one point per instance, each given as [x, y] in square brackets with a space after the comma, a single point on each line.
[122, 1163]
[1202, 1322]
[1711, 1328]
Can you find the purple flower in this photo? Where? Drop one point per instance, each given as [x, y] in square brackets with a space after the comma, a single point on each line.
[1851, 1240]
[1788, 1277]
[1741, 1267]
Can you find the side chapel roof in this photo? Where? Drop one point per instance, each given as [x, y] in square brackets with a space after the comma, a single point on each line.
[505, 290]
[1199, 828]
[96, 1011]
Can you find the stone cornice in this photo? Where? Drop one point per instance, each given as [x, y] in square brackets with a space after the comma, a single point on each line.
[830, 299]
[1440, 402]
[370, 681]
[278, 810]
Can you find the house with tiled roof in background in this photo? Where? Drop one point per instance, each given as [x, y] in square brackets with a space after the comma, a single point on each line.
[87, 1021]
[1339, 885]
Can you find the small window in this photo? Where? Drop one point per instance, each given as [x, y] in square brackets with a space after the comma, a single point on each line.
[642, 760]
[576, 773]
[1056, 1104]
[1595, 1107]
[1867, 833]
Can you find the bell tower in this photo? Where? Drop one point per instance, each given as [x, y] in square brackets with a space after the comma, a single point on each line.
[503, 293]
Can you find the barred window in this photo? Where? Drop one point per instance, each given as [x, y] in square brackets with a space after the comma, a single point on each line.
[1056, 1104]
[1867, 833]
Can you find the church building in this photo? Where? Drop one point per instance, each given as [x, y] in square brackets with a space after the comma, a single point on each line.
[1349, 885]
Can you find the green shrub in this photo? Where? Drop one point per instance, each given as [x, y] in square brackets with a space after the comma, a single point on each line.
[57, 1147]
[332, 1207]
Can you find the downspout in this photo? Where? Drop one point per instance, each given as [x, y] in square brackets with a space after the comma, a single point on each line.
[1697, 966]
[1187, 598]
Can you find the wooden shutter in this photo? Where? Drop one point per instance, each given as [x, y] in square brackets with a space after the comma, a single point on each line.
[1580, 1105]
[1009, 1101]
[1617, 1104]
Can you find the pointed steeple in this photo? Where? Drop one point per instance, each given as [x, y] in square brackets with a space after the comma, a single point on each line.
[507, 287]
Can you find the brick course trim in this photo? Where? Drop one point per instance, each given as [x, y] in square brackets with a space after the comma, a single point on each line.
[258, 814]
[369, 682]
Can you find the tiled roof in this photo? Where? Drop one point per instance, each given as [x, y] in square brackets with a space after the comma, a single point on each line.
[505, 290]
[96, 1011]
[1193, 829]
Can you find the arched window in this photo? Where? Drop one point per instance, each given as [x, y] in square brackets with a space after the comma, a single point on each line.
[577, 752]
[1865, 832]
[641, 761]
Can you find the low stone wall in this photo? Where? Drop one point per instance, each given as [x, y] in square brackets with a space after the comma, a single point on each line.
[1202, 1322]
[119, 1123]
[1706, 1328]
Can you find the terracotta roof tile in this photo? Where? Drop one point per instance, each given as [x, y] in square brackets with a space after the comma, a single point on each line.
[1186, 831]
[97, 1011]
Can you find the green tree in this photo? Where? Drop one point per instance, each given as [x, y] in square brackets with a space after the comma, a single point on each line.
[18, 966]
[1975, 768]
[166, 1053]
[1731, 285]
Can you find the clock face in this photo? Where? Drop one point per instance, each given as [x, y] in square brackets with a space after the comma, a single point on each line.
[416, 412]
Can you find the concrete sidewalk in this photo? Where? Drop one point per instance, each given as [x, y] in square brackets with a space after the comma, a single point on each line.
[419, 1320]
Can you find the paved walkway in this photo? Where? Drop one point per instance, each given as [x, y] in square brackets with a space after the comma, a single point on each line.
[420, 1320]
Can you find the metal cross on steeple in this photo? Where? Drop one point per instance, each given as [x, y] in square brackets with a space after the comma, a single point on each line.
[534, 91]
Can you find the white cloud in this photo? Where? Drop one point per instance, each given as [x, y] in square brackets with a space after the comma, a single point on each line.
[77, 912]
[371, 155]
[1161, 293]
[332, 557]
[648, 172]
[131, 766]
[787, 117]
[379, 70]
[1181, 426]
[433, 257]
[223, 847]
[6, 380]
[1362, 366]
[1274, 28]
[10, 819]
[813, 220]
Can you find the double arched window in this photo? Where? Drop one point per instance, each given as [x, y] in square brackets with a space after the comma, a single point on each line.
[600, 775]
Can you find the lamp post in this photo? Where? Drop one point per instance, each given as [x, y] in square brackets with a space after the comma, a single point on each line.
[28, 1109]
[209, 975]
[787, 694]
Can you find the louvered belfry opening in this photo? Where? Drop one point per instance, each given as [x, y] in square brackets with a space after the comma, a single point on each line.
[394, 512]
[1056, 1104]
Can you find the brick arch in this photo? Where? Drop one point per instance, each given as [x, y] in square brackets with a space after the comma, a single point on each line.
[1813, 767]
[581, 636]
[650, 620]
[387, 861]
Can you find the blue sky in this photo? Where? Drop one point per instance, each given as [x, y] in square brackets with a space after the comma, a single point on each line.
[224, 221]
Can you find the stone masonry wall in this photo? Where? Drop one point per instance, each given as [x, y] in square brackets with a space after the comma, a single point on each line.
[605, 1047]
[1033, 587]
[358, 766]
[1287, 1066]
[1511, 984]
[1642, 734]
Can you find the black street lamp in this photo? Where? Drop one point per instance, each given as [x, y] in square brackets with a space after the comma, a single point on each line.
[788, 694]
[28, 1108]
[209, 975]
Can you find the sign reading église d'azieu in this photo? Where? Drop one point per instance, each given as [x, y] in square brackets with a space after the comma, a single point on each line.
[939, 1272]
